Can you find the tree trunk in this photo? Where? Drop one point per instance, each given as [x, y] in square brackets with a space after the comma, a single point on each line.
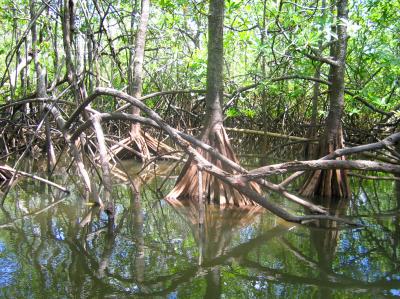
[143, 143]
[333, 183]
[136, 77]
[311, 150]
[41, 89]
[213, 133]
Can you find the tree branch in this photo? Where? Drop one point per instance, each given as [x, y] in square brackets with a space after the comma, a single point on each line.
[321, 164]
[301, 77]
[178, 137]
[388, 141]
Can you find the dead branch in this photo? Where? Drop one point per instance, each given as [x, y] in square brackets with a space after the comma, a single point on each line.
[178, 137]
[197, 143]
[32, 176]
[321, 164]
[271, 134]
[388, 141]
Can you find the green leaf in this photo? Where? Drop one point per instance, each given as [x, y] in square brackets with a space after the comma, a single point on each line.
[232, 112]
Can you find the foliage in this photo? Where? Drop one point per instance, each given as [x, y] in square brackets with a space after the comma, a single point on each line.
[263, 41]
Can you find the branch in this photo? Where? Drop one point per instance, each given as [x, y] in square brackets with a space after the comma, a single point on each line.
[323, 59]
[60, 121]
[271, 134]
[35, 177]
[40, 100]
[207, 166]
[374, 177]
[192, 140]
[10, 55]
[321, 164]
[369, 105]
[99, 90]
[23, 64]
[301, 77]
[388, 141]
[161, 93]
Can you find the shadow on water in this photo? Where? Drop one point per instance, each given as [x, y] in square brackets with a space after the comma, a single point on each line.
[57, 247]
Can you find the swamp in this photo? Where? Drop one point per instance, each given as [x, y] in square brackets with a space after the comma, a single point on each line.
[199, 149]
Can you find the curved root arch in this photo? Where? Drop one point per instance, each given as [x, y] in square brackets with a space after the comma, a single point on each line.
[331, 183]
[214, 190]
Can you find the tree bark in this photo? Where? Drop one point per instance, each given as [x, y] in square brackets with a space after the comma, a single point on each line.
[41, 89]
[214, 190]
[333, 183]
[143, 144]
[68, 27]
[185, 141]
[135, 74]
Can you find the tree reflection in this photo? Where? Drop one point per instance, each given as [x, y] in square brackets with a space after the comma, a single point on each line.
[325, 239]
[65, 248]
[214, 235]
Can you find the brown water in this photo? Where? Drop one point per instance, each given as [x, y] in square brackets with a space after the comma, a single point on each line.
[155, 250]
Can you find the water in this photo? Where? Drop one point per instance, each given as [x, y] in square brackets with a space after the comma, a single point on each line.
[156, 250]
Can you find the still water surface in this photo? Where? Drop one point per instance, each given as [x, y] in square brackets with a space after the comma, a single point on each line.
[156, 250]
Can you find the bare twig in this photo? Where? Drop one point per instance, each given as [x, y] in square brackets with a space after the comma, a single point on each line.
[35, 177]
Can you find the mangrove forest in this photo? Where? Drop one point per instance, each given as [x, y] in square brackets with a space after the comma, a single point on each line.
[199, 149]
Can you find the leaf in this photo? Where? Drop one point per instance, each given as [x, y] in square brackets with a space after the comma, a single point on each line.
[232, 112]
[250, 113]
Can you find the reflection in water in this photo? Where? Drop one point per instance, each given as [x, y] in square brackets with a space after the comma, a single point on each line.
[213, 279]
[396, 225]
[325, 240]
[214, 236]
[220, 225]
[65, 248]
[138, 237]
